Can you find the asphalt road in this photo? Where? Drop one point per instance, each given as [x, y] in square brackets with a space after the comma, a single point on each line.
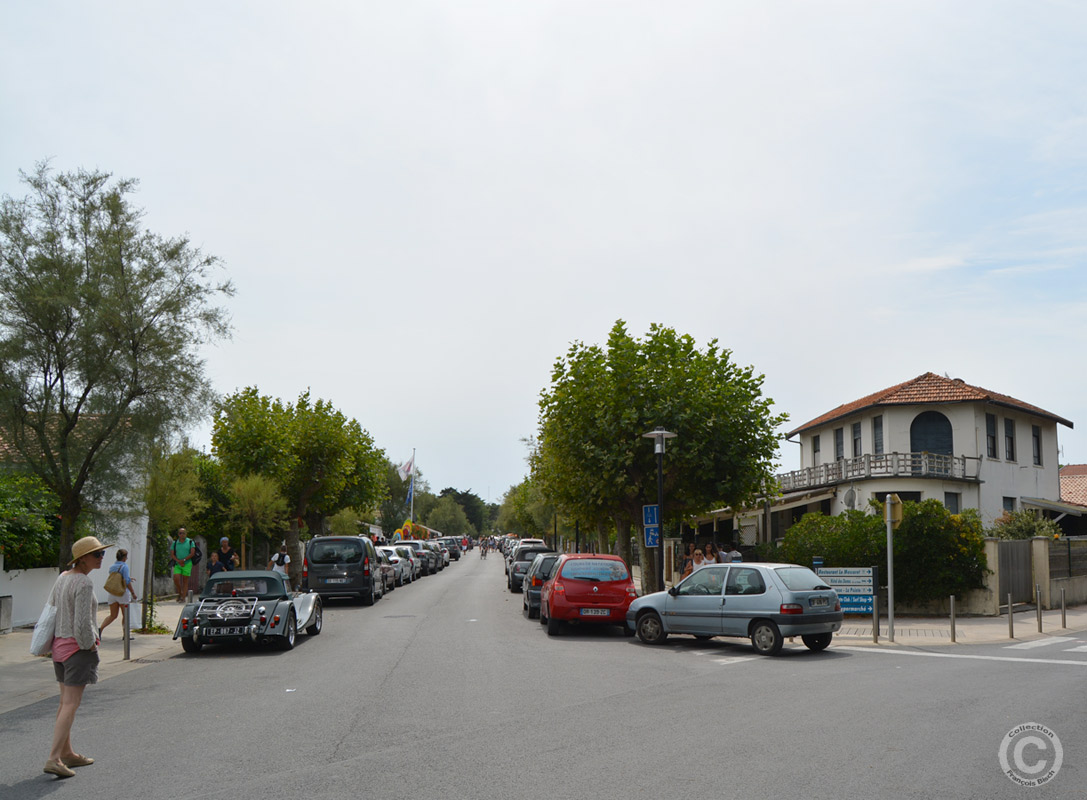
[444, 690]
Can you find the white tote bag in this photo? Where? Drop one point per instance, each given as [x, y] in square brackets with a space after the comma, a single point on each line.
[41, 641]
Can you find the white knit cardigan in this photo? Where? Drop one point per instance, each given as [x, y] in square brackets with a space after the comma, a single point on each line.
[77, 609]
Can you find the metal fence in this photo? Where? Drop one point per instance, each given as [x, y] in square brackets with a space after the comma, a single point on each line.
[1016, 575]
[893, 465]
[1067, 558]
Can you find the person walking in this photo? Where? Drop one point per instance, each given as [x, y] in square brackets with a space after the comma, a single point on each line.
[279, 562]
[228, 557]
[119, 603]
[75, 650]
[181, 554]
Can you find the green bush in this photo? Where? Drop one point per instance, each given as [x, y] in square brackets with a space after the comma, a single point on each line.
[1023, 524]
[937, 553]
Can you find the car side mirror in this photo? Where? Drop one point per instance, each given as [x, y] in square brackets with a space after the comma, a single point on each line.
[674, 591]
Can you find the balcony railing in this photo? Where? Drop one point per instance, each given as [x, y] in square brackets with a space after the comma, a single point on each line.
[888, 465]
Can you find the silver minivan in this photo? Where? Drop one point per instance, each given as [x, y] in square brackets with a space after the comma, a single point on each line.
[762, 602]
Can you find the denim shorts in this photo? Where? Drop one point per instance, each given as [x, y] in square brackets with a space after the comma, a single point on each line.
[80, 669]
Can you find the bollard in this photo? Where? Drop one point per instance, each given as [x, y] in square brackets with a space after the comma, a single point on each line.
[952, 619]
[1038, 604]
[1064, 623]
[124, 632]
[1011, 620]
[875, 617]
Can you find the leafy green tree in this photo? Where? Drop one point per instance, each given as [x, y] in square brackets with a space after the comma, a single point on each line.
[172, 497]
[100, 326]
[320, 460]
[592, 462]
[448, 517]
[472, 503]
[28, 535]
[259, 511]
[850, 539]
[1023, 524]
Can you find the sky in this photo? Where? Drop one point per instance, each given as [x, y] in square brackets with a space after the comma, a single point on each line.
[423, 204]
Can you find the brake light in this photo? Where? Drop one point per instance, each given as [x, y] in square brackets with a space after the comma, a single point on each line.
[263, 619]
[275, 620]
[305, 567]
[536, 582]
[792, 608]
[558, 588]
[366, 566]
[184, 623]
[632, 591]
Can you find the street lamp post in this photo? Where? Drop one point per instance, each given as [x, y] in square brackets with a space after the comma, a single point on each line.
[659, 435]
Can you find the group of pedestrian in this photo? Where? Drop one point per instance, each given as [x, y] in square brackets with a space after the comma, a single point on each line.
[697, 557]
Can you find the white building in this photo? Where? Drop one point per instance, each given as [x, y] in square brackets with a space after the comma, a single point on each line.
[928, 438]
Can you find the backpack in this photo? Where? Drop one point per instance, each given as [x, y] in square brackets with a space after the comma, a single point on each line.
[196, 553]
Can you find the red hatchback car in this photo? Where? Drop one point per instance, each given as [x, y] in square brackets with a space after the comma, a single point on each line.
[587, 587]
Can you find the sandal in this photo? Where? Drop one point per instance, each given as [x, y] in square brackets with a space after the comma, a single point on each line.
[57, 768]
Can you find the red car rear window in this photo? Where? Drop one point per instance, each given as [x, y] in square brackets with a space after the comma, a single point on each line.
[594, 569]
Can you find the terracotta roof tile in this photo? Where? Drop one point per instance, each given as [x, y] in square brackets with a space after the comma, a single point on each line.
[1074, 484]
[928, 389]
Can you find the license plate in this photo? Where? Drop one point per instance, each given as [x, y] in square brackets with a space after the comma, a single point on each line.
[337, 580]
[817, 601]
[226, 631]
[595, 612]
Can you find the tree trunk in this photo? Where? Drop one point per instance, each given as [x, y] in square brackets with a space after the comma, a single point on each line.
[69, 513]
[294, 569]
[622, 527]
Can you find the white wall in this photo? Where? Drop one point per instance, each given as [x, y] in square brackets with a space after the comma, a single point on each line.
[29, 588]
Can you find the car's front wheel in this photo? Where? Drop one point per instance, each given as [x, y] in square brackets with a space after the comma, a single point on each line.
[318, 620]
[817, 641]
[650, 629]
[190, 645]
[290, 632]
[766, 638]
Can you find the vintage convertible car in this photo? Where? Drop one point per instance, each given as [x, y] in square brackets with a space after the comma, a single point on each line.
[253, 606]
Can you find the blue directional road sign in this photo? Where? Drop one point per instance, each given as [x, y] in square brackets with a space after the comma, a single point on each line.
[651, 515]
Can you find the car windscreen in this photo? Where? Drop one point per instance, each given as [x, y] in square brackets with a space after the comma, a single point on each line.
[546, 566]
[594, 569]
[340, 551]
[403, 552]
[243, 587]
[529, 555]
[800, 579]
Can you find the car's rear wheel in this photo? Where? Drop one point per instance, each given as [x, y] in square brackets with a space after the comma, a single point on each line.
[369, 599]
[290, 632]
[190, 645]
[318, 620]
[650, 629]
[766, 638]
[817, 641]
[554, 626]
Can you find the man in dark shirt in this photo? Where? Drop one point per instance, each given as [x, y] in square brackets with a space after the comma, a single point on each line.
[227, 556]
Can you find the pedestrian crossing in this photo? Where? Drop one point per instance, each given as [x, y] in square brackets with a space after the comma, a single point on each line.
[1037, 644]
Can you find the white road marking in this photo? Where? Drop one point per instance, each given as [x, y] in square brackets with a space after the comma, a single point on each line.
[887, 651]
[737, 660]
[1039, 643]
[1080, 649]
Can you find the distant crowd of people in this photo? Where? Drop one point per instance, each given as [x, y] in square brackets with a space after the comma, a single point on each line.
[698, 557]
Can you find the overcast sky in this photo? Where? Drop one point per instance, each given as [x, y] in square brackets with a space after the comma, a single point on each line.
[423, 204]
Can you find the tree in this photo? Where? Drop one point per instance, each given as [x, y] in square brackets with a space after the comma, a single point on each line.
[1023, 524]
[27, 513]
[592, 462]
[448, 517]
[320, 460]
[100, 326]
[172, 496]
[259, 509]
[472, 503]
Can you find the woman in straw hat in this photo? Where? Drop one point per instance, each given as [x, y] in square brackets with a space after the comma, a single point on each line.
[75, 649]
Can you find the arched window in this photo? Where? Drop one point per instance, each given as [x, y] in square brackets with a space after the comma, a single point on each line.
[931, 433]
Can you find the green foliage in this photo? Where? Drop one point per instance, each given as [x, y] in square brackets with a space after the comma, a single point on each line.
[1023, 524]
[172, 497]
[448, 517]
[472, 503]
[100, 325]
[28, 530]
[937, 553]
[525, 511]
[258, 511]
[346, 522]
[851, 539]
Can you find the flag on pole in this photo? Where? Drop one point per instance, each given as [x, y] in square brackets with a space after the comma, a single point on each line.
[407, 468]
[411, 491]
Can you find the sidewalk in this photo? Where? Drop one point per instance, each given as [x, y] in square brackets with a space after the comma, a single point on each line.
[927, 631]
[26, 679]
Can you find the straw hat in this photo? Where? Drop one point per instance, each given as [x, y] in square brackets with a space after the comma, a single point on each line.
[85, 546]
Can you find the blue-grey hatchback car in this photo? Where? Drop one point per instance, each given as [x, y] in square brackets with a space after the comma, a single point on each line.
[758, 601]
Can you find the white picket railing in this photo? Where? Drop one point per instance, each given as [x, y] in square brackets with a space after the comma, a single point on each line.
[888, 465]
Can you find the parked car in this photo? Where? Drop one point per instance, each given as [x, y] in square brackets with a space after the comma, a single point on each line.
[402, 565]
[343, 566]
[453, 545]
[760, 601]
[412, 558]
[520, 561]
[248, 606]
[440, 552]
[538, 572]
[587, 589]
[388, 571]
[428, 557]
